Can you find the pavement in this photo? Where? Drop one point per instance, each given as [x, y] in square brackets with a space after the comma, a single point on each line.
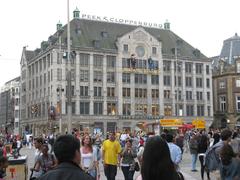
[185, 166]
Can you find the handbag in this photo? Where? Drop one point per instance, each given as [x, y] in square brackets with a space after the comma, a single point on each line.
[136, 166]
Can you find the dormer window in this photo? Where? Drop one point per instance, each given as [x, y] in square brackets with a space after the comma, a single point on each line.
[104, 34]
[96, 43]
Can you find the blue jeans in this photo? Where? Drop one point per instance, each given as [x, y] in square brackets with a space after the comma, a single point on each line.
[128, 175]
[194, 161]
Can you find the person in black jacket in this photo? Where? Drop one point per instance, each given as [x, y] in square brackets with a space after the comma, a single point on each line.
[67, 152]
[202, 148]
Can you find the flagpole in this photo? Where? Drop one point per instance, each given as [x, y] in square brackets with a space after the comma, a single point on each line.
[69, 108]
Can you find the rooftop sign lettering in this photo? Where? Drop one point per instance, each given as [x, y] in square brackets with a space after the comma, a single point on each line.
[121, 21]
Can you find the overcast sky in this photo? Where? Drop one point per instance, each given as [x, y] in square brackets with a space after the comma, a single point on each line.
[202, 23]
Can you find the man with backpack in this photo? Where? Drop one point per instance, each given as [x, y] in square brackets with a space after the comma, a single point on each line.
[212, 159]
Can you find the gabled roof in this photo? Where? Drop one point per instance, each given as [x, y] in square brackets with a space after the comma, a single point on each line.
[84, 32]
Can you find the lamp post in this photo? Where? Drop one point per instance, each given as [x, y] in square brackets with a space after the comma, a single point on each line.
[178, 67]
[69, 99]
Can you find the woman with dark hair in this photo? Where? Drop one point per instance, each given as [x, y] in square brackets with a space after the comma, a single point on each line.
[230, 166]
[157, 163]
[202, 148]
[127, 160]
[89, 162]
[216, 137]
[46, 161]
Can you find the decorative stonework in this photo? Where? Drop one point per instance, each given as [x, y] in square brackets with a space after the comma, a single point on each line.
[140, 36]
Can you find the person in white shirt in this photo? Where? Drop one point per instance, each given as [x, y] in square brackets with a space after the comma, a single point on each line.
[175, 151]
[89, 162]
[38, 142]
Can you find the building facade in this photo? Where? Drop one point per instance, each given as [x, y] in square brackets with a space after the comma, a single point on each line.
[121, 75]
[9, 106]
[226, 84]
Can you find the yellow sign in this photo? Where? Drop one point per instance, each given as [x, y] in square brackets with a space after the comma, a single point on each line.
[171, 122]
[199, 123]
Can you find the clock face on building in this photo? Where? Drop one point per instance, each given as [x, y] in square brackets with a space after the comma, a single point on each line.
[140, 51]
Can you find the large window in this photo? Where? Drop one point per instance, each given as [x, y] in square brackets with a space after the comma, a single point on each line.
[126, 109]
[111, 61]
[188, 81]
[208, 83]
[126, 78]
[141, 64]
[188, 95]
[97, 76]
[140, 78]
[178, 94]
[126, 92]
[140, 93]
[178, 80]
[155, 79]
[84, 60]
[166, 66]
[189, 110]
[111, 108]
[110, 77]
[207, 69]
[188, 67]
[199, 95]
[199, 68]
[155, 93]
[222, 100]
[98, 91]
[98, 108]
[140, 109]
[126, 63]
[166, 80]
[73, 107]
[199, 82]
[222, 84]
[208, 96]
[97, 61]
[110, 92]
[155, 109]
[83, 90]
[200, 110]
[167, 94]
[84, 108]
[84, 75]
[167, 110]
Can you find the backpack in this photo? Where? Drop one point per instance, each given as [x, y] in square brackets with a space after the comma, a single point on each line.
[212, 160]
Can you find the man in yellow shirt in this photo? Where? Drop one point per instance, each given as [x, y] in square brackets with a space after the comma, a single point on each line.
[111, 156]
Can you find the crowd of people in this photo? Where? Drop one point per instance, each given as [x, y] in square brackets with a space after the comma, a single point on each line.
[78, 156]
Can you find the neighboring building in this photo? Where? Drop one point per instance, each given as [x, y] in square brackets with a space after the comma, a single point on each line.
[226, 84]
[9, 106]
[111, 88]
